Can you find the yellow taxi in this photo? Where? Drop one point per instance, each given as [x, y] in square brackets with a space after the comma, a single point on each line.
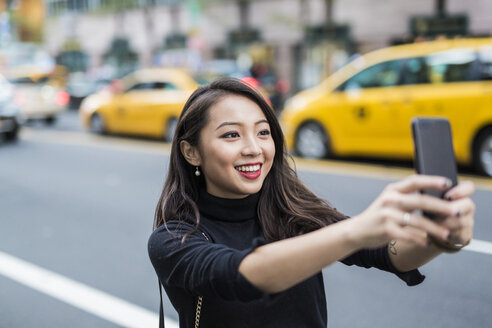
[365, 109]
[146, 102]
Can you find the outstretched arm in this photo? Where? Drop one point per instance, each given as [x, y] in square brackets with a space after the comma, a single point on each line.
[277, 266]
[280, 265]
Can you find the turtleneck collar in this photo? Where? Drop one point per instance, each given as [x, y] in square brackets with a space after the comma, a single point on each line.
[232, 210]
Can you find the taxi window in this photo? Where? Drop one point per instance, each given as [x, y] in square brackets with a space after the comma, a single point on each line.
[384, 74]
[159, 85]
[485, 67]
[416, 71]
[451, 66]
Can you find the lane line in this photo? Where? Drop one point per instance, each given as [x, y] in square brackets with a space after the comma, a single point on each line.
[81, 296]
[479, 246]
[101, 304]
[367, 170]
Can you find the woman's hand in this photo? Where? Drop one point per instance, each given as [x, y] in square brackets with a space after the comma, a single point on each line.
[391, 215]
[461, 225]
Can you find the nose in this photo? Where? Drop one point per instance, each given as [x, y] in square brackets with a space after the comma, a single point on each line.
[251, 147]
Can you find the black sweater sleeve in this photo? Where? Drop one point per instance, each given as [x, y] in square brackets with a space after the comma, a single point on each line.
[199, 266]
[379, 258]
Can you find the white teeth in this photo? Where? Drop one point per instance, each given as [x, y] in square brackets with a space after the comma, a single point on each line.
[248, 168]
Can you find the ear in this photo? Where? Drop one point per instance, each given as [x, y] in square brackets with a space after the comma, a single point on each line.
[190, 153]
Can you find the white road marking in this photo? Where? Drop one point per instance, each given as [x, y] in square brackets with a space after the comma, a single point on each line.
[102, 304]
[79, 295]
[479, 246]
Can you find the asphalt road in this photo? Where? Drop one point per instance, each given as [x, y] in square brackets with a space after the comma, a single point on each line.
[82, 206]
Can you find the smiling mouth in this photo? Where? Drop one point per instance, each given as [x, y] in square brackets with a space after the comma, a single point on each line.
[249, 171]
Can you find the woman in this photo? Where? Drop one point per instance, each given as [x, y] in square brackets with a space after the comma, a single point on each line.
[239, 241]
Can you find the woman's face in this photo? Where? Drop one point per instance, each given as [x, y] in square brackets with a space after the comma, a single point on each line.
[236, 148]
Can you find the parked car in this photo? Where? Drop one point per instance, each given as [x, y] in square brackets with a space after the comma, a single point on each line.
[79, 86]
[9, 112]
[38, 82]
[214, 69]
[146, 102]
[38, 99]
[365, 108]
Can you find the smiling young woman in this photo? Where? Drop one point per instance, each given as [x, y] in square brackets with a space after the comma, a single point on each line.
[235, 150]
[239, 241]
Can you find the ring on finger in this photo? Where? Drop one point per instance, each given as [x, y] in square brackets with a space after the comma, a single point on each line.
[406, 218]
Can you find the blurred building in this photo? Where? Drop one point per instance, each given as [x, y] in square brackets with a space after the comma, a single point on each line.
[27, 18]
[301, 41]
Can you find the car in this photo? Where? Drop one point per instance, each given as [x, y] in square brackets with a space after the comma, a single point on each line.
[217, 68]
[37, 89]
[38, 99]
[9, 112]
[146, 103]
[81, 85]
[365, 109]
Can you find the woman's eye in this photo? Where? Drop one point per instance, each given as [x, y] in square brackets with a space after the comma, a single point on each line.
[264, 132]
[230, 135]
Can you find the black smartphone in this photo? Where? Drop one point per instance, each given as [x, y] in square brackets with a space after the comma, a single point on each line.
[434, 153]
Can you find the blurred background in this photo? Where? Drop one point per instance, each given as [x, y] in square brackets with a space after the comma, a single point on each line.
[90, 92]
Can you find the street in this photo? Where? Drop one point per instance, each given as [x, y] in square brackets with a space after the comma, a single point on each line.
[81, 206]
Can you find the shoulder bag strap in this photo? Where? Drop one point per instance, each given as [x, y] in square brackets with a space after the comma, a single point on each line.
[161, 308]
[199, 303]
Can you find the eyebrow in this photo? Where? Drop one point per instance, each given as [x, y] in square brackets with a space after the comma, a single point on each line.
[237, 123]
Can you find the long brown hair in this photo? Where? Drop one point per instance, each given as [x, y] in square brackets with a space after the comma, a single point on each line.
[286, 207]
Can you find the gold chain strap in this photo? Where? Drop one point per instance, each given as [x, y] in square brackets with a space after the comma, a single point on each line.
[199, 303]
[198, 311]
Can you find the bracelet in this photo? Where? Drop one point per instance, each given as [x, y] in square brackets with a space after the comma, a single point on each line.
[447, 247]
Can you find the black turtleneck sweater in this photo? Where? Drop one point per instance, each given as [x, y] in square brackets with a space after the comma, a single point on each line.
[209, 268]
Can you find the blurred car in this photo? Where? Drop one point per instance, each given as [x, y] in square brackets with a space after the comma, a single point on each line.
[38, 91]
[9, 112]
[214, 69]
[146, 102]
[80, 86]
[365, 108]
[38, 99]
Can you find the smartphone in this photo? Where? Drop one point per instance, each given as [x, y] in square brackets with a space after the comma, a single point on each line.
[434, 153]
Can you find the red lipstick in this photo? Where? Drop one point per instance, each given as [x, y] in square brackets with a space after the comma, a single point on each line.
[251, 175]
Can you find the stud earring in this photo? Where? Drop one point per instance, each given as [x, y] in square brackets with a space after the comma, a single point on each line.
[197, 172]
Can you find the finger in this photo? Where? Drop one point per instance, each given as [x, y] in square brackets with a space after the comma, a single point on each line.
[403, 219]
[462, 190]
[428, 226]
[465, 219]
[418, 182]
[399, 233]
[416, 201]
[462, 235]
[452, 223]
[464, 207]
